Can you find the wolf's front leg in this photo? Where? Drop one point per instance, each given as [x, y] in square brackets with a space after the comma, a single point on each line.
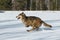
[31, 29]
[27, 25]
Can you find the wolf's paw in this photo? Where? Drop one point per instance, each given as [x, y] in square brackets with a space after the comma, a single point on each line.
[27, 25]
[50, 26]
[28, 30]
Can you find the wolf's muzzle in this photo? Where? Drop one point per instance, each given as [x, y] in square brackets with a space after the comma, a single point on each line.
[17, 17]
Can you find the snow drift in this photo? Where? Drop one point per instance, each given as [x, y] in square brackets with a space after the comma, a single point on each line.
[13, 29]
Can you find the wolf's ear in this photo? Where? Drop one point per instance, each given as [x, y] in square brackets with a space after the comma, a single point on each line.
[23, 13]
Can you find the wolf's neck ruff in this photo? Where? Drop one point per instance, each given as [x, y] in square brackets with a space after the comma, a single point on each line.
[23, 18]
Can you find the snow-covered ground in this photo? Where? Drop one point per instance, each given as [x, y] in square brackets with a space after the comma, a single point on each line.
[13, 29]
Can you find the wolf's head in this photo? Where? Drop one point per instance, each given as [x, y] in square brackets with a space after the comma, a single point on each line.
[21, 16]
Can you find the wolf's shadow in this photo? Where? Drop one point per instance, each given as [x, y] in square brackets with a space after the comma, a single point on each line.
[53, 28]
[41, 29]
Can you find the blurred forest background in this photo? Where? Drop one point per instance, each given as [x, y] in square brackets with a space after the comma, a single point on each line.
[29, 4]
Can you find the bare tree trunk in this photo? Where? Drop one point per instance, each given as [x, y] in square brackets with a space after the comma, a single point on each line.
[13, 5]
[43, 6]
[30, 4]
[40, 4]
[25, 5]
[37, 4]
[55, 4]
[47, 4]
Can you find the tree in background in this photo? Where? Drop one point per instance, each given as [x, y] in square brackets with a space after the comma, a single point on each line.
[5, 5]
[51, 4]
[43, 5]
[29, 4]
[58, 4]
[18, 4]
[37, 5]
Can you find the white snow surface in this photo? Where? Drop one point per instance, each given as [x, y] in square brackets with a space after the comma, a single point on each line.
[13, 29]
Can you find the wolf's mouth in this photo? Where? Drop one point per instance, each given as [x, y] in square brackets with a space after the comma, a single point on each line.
[17, 17]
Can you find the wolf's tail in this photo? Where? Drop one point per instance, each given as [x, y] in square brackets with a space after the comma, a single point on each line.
[45, 24]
